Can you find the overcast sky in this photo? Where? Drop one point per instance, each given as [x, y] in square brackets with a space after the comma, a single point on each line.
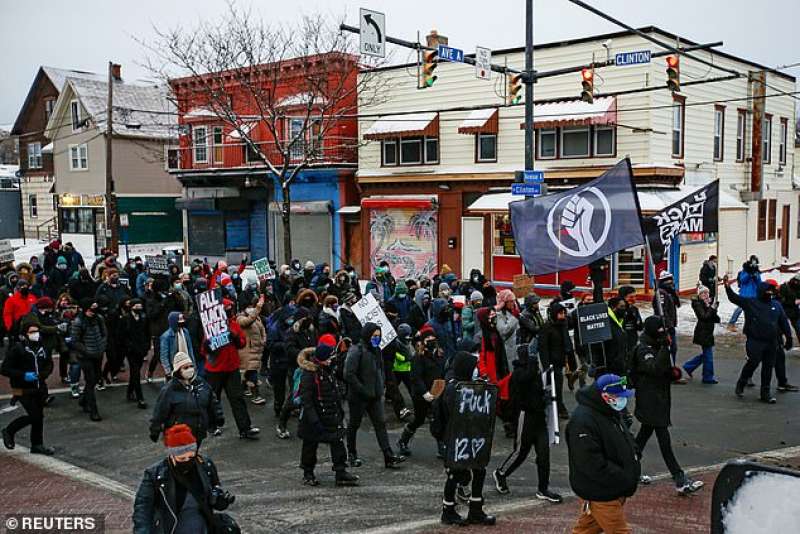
[86, 34]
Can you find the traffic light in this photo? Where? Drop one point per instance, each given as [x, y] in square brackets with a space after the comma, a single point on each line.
[430, 60]
[587, 83]
[674, 73]
[514, 95]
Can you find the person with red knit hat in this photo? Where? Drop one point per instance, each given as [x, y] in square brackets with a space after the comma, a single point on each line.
[222, 373]
[322, 415]
[181, 492]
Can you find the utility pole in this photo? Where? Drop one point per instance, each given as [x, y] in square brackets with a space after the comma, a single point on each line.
[528, 79]
[111, 202]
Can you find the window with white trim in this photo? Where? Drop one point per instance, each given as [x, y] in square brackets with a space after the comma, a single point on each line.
[604, 141]
[782, 140]
[575, 142]
[33, 206]
[678, 110]
[741, 128]
[546, 147]
[75, 114]
[719, 133]
[766, 145]
[199, 136]
[34, 155]
[49, 104]
[431, 150]
[485, 147]
[78, 157]
[409, 151]
[389, 151]
[172, 157]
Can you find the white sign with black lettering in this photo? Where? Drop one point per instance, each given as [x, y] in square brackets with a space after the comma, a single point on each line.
[369, 311]
[372, 26]
[483, 63]
[6, 251]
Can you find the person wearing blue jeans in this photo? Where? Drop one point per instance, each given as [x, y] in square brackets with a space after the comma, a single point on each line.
[706, 312]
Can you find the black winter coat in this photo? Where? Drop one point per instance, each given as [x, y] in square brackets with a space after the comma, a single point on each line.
[632, 324]
[26, 357]
[707, 317]
[616, 350]
[136, 334]
[526, 391]
[298, 339]
[89, 336]
[788, 294]
[424, 370]
[603, 465]
[554, 344]
[363, 369]
[154, 510]
[530, 324]
[349, 324]
[764, 321]
[669, 306]
[653, 382]
[194, 405]
[321, 416]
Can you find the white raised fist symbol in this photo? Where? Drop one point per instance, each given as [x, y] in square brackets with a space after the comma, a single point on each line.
[576, 219]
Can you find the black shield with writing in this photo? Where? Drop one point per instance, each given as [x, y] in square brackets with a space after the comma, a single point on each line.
[470, 427]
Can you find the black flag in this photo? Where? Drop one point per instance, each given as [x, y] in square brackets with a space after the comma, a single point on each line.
[695, 213]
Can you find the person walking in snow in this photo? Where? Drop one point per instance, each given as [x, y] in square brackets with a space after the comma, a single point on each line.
[705, 309]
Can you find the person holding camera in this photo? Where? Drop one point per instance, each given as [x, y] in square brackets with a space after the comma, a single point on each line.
[181, 493]
[748, 279]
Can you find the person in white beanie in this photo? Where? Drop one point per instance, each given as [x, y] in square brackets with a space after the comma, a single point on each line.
[706, 312]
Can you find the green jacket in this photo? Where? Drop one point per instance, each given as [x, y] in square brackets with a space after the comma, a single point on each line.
[402, 358]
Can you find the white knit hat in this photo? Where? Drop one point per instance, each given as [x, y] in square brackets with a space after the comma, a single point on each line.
[180, 359]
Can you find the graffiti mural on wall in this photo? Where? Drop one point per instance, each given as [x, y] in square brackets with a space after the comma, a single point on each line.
[406, 238]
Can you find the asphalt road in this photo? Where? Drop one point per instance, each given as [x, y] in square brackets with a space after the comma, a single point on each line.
[711, 426]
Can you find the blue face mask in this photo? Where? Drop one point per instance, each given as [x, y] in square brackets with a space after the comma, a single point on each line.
[375, 341]
[619, 403]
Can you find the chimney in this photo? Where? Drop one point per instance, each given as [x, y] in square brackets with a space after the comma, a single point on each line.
[434, 39]
[116, 71]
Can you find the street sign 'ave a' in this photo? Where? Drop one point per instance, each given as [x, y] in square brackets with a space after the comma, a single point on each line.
[448, 53]
[372, 25]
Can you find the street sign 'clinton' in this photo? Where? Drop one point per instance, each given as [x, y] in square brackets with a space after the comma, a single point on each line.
[638, 57]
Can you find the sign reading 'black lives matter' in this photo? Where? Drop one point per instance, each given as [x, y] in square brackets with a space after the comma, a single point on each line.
[593, 323]
[213, 318]
[470, 427]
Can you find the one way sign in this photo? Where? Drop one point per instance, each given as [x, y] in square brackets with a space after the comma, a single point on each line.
[373, 33]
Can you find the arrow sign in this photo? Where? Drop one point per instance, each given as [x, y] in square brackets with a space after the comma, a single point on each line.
[372, 32]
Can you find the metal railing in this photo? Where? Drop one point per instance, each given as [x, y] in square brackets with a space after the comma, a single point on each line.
[51, 227]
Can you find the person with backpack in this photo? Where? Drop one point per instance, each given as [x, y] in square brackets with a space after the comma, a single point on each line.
[88, 338]
[529, 406]
[363, 373]
[301, 335]
[705, 309]
[322, 415]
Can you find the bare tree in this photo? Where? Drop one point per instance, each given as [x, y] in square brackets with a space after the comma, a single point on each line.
[244, 72]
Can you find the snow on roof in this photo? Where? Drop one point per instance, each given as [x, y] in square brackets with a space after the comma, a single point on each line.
[59, 76]
[397, 124]
[47, 149]
[201, 112]
[478, 120]
[301, 99]
[139, 110]
[601, 111]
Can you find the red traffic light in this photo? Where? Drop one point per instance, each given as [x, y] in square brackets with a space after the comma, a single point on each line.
[587, 74]
[672, 61]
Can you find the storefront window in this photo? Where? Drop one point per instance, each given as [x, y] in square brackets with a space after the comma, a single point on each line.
[503, 238]
[77, 221]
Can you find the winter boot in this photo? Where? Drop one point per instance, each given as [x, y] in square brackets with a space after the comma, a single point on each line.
[353, 460]
[450, 516]
[404, 441]
[476, 515]
[343, 478]
[500, 482]
[309, 479]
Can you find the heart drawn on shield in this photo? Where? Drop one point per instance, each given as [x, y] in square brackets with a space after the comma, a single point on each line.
[477, 445]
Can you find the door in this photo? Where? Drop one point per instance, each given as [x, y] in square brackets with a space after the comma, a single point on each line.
[471, 245]
[785, 234]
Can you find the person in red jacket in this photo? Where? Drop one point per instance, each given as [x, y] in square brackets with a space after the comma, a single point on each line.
[16, 307]
[222, 372]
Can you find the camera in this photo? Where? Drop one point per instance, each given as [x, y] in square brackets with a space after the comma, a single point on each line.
[221, 499]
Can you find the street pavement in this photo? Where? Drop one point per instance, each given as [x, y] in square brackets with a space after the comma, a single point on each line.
[711, 426]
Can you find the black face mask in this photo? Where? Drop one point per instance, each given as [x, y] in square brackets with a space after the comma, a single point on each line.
[24, 291]
[431, 346]
[184, 468]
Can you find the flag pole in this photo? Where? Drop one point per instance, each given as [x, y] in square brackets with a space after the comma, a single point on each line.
[652, 266]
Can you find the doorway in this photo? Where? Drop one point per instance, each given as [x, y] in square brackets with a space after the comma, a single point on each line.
[471, 244]
[785, 234]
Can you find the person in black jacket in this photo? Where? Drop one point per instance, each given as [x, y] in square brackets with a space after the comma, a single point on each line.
[463, 370]
[27, 365]
[349, 323]
[555, 345]
[363, 372]
[181, 492]
[88, 338]
[530, 320]
[653, 399]
[136, 336]
[604, 468]
[616, 348]
[322, 416]
[279, 324]
[765, 323]
[632, 322]
[186, 398]
[300, 336]
[527, 395]
[667, 306]
[705, 309]
[427, 366]
[789, 296]
[708, 276]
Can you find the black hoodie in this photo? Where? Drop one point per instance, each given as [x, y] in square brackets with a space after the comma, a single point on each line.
[603, 465]
[363, 368]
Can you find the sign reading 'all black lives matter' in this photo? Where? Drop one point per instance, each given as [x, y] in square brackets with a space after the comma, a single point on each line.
[470, 427]
[593, 323]
[213, 318]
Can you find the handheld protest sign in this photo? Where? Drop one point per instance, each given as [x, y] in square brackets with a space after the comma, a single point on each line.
[470, 427]
[263, 270]
[157, 265]
[368, 310]
[213, 318]
[594, 324]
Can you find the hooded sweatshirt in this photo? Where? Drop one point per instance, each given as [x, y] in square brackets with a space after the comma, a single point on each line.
[418, 315]
[443, 327]
[363, 368]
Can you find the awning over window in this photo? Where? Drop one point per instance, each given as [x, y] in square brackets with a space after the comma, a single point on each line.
[302, 99]
[574, 113]
[47, 149]
[480, 121]
[413, 124]
[399, 201]
[310, 207]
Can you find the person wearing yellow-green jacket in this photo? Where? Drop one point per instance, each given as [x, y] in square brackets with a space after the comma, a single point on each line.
[401, 369]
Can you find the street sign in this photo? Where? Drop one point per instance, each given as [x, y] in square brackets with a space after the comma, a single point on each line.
[530, 177]
[123, 220]
[448, 53]
[373, 33]
[528, 190]
[637, 57]
[483, 63]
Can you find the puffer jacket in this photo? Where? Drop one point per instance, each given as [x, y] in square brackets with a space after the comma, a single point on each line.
[653, 382]
[27, 357]
[425, 368]
[88, 336]
[363, 368]
[321, 416]
[194, 404]
[255, 340]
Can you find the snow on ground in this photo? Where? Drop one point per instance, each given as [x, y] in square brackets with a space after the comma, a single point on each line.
[766, 503]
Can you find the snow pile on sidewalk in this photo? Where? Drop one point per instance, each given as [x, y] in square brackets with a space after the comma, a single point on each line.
[767, 503]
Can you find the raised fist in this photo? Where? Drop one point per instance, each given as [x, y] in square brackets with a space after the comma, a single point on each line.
[576, 218]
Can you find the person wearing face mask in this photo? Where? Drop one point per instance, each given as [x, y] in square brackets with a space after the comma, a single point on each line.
[604, 468]
[300, 336]
[9, 282]
[421, 309]
[89, 337]
[16, 307]
[28, 365]
[492, 359]
[708, 276]
[555, 345]
[137, 344]
[442, 323]
[363, 372]
[159, 304]
[174, 340]
[56, 278]
[632, 321]
[51, 339]
[668, 308]
[113, 290]
[765, 323]
[181, 493]
[349, 324]
[653, 399]
[250, 355]
[186, 398]
[507, 321]
[530, 320]
[401, 301]
[381, 285]
[82, 286]
[469, 323]
[427, 366]
[330, 317]
[341, 285]
[615, 348]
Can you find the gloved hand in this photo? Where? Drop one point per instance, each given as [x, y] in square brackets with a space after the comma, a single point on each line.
[788, 344]
[31, 376]
[428, 397]
[62, 327]
[154, 437]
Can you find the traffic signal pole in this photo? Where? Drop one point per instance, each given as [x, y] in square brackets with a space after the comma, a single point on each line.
[529, 79]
